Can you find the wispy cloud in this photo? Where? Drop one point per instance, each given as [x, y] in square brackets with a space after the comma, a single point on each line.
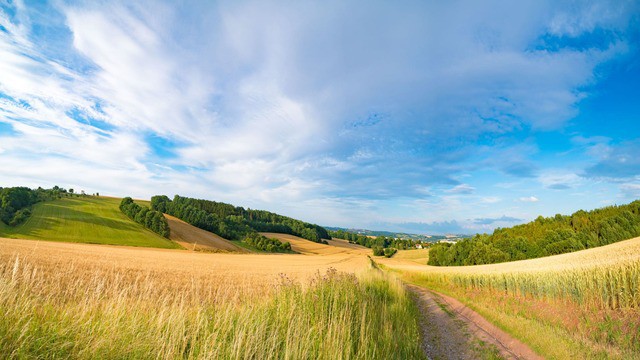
[263, 104]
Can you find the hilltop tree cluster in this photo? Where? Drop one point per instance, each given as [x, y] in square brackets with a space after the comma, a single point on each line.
[16, 202]
[235, 223]
[543, 237]
[151, 219]
[381, 242]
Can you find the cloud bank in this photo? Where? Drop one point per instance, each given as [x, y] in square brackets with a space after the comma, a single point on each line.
[367, 111]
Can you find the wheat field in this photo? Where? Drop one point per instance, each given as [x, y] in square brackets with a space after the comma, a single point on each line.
[88, 301]
[584, 304]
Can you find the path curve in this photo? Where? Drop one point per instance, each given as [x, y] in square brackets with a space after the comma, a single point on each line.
[450, 330]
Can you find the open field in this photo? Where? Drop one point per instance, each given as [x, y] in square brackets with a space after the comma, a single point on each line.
[308, 247]
[94, 301]
[238, 270]
[193, 238]
[418, 256]
[584, 304]
[85, 220]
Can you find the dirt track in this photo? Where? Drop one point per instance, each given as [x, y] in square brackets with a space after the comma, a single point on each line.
[450, 330]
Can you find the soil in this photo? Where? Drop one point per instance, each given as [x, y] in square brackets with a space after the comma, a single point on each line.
[450, 330]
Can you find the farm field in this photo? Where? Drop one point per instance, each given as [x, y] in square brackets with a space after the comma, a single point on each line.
[584, 304]
[85, 220]
[94, 301]
[335, 247]
[193, 238]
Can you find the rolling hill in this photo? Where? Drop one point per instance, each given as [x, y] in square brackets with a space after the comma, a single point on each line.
[193, 238]
[85, 220]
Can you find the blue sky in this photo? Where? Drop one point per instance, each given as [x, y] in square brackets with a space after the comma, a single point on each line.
[428, 117]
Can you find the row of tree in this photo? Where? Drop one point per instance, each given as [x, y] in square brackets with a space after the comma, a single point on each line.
[382, 242]
[234, 222]
[543, 237]
[218, 218]
[266, 244]
[16, 202]
[151, 219]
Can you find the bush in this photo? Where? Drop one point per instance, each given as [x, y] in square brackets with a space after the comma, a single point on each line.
[389, 252]
[377, 251]
[266, 244]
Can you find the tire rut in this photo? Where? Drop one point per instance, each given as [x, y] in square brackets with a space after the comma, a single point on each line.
[450, 330]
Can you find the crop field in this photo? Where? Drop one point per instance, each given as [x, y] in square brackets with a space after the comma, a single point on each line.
[86, 219]
[335, 247]
[193, 238]
[93, 301]
[584, 304]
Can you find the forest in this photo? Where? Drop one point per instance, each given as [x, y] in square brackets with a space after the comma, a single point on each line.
[150, 219]
[375, 242]
[16, 202]
[543, 237]
[234, 222]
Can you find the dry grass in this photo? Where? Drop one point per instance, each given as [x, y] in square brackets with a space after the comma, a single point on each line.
[193, 238]
[587, 301]
[250, 270]
[418, 256]
[307, 247]
[621, 252]
[86, 301]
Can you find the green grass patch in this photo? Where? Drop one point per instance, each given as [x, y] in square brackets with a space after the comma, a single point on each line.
[85, 220]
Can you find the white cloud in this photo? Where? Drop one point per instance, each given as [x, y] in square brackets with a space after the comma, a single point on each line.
[267, 101]
[531, 199]
[464, 189]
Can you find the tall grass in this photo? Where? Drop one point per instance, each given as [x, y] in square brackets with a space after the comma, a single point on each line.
[67, 310]
[587, 310]
[610, 287]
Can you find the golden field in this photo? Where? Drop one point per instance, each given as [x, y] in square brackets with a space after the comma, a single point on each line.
[584, 304]
[63, 300]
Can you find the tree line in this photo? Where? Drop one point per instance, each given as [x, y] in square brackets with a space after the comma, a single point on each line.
[543, 237]
[151, 219]
[16, 202]
[234, 222]
[222, 219]
[381, 242]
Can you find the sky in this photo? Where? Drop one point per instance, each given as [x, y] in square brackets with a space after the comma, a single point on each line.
[418, 116]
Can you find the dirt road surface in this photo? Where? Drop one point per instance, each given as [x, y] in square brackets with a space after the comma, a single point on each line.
[450, 330]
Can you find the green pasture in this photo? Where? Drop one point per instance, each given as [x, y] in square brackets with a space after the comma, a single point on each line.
[96, 220]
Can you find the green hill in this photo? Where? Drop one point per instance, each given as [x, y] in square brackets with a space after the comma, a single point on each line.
[96, 220]
[543, 237]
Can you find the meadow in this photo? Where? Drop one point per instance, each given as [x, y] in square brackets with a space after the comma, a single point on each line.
[578, 305]
[84, 219]
[89, 301]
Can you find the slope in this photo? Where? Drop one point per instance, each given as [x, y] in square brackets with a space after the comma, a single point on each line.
[308, 247]
[85, 220]
[193, 238]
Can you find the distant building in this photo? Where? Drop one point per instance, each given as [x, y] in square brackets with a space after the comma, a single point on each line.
[418, 246]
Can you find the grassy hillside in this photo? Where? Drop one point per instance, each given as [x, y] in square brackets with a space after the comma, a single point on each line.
[85, 220]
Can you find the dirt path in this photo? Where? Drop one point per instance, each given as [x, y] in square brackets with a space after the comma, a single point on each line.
[450, 330]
